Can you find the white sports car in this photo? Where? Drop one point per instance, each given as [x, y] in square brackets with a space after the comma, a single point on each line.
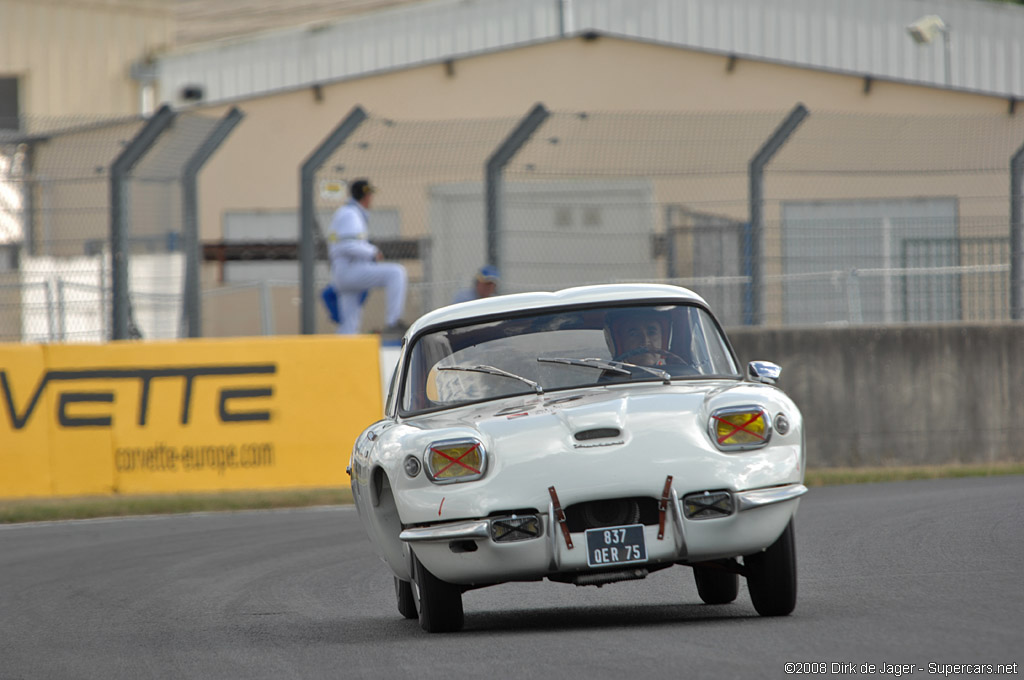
[587, 436]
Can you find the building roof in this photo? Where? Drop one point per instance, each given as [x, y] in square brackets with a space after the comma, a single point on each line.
[980, 50]
[200, 21]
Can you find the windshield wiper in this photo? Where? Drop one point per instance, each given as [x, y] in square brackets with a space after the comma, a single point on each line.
[665, 376]
[601, 364]
[620, 367]
[491, 370]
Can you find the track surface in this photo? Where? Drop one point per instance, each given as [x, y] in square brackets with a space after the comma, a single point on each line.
[903, 573]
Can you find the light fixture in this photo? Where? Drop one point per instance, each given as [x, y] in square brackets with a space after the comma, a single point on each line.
[926, 28]
[455, 460]
[740, 428]
[924, 31]
[192, 93]
[412, 466]
[707, 505]
[516, 528]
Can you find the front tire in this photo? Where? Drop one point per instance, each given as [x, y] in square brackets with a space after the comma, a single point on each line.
[716, 586]
[406, 598]
[440, 603]
[771, 576]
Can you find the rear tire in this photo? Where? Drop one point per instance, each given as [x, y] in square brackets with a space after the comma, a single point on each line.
[716, 586]
[406, 598]
[771, 576]
[439, 602]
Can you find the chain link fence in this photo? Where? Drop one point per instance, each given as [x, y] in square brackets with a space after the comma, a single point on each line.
[428, 212]
[584, 197]
[814, 219]
[56, 217]
[78, 199]
[890, 219]
[639, 197]
[850, 219]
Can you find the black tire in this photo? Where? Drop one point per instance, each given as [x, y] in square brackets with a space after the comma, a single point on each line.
[439, 603]
[771, 576]
[406, 598]
[716, 586]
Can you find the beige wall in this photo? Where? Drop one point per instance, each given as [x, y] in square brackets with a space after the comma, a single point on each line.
[74, 57]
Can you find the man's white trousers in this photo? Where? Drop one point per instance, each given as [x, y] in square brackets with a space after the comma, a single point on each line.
[350, 279]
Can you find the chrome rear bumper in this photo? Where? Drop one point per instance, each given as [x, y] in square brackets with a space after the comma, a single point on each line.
[756, 498]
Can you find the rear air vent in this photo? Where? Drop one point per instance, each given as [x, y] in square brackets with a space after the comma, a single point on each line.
[598, 433]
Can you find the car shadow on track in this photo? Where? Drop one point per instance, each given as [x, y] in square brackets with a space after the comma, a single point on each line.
[607, 616]
[555, 619]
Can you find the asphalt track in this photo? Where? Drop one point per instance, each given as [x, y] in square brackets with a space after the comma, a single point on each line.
[915, 573]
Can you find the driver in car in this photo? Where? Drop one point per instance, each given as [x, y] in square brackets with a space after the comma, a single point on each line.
[638, 336]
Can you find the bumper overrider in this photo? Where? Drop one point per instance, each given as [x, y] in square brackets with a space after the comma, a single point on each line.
[698, 527]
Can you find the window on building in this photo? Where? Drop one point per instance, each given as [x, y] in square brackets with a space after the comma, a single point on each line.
[9, 113]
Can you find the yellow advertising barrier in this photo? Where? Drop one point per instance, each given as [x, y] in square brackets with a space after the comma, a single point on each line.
[190, 415]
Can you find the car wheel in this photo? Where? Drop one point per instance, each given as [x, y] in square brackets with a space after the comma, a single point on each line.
[771, 576]
[716, 586]
[440, 603]
[406, 598]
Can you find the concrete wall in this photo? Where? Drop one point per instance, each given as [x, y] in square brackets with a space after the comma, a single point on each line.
[901, 395]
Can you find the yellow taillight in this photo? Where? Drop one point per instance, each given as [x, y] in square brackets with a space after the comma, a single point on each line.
[455, 461]
[740, 428]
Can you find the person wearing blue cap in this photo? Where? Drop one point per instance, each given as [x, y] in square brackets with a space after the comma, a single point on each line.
[485, 284]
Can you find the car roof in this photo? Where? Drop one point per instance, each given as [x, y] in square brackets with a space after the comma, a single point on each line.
[569, 297]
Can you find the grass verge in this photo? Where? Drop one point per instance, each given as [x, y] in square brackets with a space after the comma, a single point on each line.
[832, 476]
[88, 507]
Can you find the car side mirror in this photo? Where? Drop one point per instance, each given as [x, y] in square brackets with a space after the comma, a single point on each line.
[764, 372]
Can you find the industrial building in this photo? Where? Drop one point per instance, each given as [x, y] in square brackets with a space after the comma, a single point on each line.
[912, 122]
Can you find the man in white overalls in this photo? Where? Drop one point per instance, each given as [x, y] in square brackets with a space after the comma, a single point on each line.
[356, 265]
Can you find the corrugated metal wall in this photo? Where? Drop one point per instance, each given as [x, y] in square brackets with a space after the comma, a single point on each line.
[407, 35]
[75, 57]
[986, 40]
[202, 21]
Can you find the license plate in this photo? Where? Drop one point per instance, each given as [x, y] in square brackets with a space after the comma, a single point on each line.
[616, 545]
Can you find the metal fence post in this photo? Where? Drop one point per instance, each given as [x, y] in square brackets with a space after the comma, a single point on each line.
[307, 250]
[62, 331]
[119, 169]
[52, 335]
[192, 312]
[1017, 235]
[28, 198]
[753, 312]
[426, 257]
[671, 254]
[493, 173]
